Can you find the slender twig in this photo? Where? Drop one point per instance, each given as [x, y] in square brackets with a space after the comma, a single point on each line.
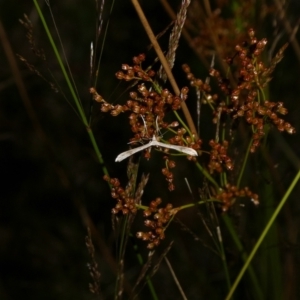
[71, 88]
[165, 64]
[174, 37]
[175, 278]
[263, 235]
[198, 51]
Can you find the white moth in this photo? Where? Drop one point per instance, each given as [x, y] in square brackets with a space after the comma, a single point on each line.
[155, 142]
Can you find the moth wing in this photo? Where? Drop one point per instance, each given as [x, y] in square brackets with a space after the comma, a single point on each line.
[130, 152]
[182, 149]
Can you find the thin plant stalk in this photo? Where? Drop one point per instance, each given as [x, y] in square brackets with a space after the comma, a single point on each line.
[148, 279]
[71, 88]
[263, 235]
[164, 63]
[223, 257]
[241, 173]
[207, 175]
[270, 260]
[175, 278]
[256, 286]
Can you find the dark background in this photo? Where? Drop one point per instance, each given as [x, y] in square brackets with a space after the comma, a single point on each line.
[51, 183]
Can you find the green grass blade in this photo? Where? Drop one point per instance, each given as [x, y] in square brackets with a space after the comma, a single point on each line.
[263, 235]
[72, 90]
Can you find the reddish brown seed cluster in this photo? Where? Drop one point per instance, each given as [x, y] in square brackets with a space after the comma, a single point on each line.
[170, 164]
[199, 85]
[125, 204]
[148, 105]
[251, 72]
[180, 139]
[231, 192]
[145, 102]
[148, 110]
[219, 157]
[107, 107]
[258, 115]
[157, 225]
[135, 72]
[246, 99]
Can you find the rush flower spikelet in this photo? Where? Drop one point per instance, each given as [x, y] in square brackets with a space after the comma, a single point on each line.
[147, 108]
[239, 99]
[245, 99]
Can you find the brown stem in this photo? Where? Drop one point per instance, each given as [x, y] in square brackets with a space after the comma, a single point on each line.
[185, 34]
[165, 64]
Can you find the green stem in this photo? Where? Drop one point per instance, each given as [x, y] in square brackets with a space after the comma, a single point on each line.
[96, 149]
[244, 256]
[71, 88]
[207, 175]
[263, 235]
[182, 123]
[75, 98]
[244, 164]
[223, 257]
[148, 279]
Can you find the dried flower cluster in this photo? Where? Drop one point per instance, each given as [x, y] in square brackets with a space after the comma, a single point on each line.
[38, 52]
[199, 84]
[125, 204]
[135, 71]
[231, 192]
[93, 266]
[246, 99]
[161, 218]
[170, 164]
[147, 105]
[259, 115]
[240, 98]
[219, 157]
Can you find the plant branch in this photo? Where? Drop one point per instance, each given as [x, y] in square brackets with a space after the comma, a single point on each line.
[165, 64]
[263, 235]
